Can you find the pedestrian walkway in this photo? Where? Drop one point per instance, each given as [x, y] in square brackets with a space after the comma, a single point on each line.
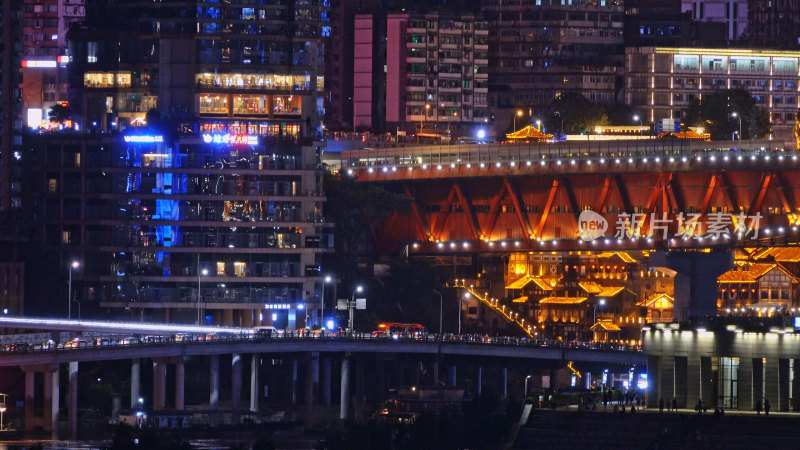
[648, 428]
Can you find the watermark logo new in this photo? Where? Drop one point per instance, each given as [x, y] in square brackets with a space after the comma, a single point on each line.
[591, 225]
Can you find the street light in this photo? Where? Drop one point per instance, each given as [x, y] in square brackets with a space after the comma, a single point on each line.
[539, 125]
[519, 114]
[203, 272]
[424, 113]
[735, 114]
[466, 295]
[359, 289]
[525, 395]
[440, 310]
[602, 302]
[635, 118]
[74, 265]
[325, 281]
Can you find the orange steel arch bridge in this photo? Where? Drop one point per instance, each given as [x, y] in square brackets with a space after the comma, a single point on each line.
[607, 195]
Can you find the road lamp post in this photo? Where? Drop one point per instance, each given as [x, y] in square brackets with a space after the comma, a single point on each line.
[735, 114]
[74, 265]
[635, 118]
[202, 272]
[601, 302]
[525, 395]
[424, 116]
[325, 281]
[539, 125]
[518, 114]
[440, 310]
[359, 289]
[460, 298]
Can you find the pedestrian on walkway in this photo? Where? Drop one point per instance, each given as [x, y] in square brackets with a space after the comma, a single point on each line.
[758, 406]
[661, 405]
[766, 407]
[674, 404]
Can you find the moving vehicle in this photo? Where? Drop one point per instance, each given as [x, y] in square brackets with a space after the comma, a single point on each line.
[395, 330]
[266, 332]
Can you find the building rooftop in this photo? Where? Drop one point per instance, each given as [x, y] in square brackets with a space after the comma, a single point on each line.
[659, 301]
[605, 325]
[562, 300]
[747, 275]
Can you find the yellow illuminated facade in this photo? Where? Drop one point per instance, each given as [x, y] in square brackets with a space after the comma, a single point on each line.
[106, 79]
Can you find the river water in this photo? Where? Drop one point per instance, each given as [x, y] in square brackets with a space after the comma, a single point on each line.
[199, 444]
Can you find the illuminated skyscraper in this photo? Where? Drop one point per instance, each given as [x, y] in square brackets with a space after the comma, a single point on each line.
[216, 67]
[213, 211]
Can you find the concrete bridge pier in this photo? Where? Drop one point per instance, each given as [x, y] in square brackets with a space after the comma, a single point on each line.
[255, 360]
[325, 385]
[72, 401]
[695, 279]
[398, 373]
[436, 371]
[380, 366]
[236, 386]
[293, 382]
[159, 383]
[451, 376]
[180, 379]
[51, 398]
[414, 367]
[312, 368]
[135, 384]
[344, 408]
[30, 391]
[213, 401]
[504, 381]
[49, 420]
[360, 385]
[479, 380]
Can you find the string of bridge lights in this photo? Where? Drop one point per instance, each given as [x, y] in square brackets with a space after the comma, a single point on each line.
[494, 304]
[605, 242]
[714, 158]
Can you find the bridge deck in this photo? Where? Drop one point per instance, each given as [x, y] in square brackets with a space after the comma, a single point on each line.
[511, 349]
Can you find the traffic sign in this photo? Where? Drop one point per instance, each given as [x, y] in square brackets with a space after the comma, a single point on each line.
[361, 303]
[341, 303]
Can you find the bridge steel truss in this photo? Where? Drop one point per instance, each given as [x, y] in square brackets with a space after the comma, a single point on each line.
[455, 209]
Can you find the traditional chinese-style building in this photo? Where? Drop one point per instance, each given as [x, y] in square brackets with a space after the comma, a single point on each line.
[567, 294]
[764, 280]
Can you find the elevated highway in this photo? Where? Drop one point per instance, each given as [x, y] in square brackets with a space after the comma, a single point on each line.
[315, 355]
[518, 349]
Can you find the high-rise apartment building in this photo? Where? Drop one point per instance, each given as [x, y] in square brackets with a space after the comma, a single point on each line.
[542, 48]
[254, 68]
[437, 72]
[10, 106]
[339, 67]
[44, 65]
[733, 13]
[774, 23]
[213, 211]
[663, 81]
